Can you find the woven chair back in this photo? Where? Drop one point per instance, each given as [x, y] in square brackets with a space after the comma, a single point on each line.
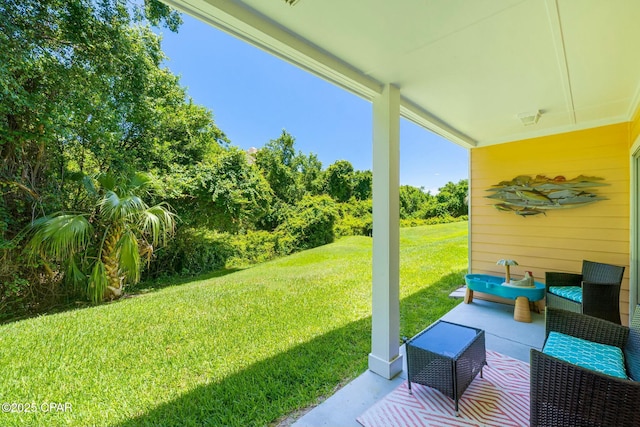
[596, 272]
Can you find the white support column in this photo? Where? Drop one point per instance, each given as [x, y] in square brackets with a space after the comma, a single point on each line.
[384, 358]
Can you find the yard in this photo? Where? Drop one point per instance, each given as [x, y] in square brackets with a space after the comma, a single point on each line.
[242, 349]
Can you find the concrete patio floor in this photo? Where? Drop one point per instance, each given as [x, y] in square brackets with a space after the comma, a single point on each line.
[502, 334]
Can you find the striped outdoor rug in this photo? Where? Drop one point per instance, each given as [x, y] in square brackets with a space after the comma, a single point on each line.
[500, 399]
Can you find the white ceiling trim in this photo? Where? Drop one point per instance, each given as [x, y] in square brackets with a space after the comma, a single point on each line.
[634, 106]
[557, 130]
[556, 30]
[252, 27]
[421, 117]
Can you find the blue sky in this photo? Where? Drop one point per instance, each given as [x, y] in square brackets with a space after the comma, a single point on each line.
[254, 95]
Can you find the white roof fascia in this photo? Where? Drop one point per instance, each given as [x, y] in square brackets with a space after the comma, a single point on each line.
[246, 24]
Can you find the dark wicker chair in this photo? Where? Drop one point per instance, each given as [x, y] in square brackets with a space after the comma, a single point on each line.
[600, 290]
[563, 394]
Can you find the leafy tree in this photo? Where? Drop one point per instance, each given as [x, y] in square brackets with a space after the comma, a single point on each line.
[279, 165]
[454, 197]
[78, 85]
[339, 180]
[102, 249]
[182, 133]
[224, 192]
[363, 185]
[312, 175]
[412, 200]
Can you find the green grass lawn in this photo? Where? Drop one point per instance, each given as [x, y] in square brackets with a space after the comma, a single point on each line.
[243, 349]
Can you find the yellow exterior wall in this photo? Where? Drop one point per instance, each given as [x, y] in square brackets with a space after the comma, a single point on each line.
[560, 240]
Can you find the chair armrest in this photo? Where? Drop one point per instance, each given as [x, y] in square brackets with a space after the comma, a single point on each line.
[563, 394]
[601, 300]
[586, 327]
[553, 278]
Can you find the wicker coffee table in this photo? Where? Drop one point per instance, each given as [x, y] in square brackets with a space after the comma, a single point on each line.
[446, 356]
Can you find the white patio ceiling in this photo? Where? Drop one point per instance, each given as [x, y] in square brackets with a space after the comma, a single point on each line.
[465, 68]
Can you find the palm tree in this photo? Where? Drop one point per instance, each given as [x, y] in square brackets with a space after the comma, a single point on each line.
[507, 264]
[101, 250]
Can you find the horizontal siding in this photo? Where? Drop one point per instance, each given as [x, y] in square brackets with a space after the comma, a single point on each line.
[557, 237]
[560, 240]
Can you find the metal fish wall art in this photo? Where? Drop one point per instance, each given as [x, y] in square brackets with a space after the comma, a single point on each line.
[526, 196]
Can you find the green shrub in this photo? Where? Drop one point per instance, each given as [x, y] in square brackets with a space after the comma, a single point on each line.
[309, 224]
[254, 247]
[432, 209]
[444, 219]
[14, 301]
[412, 222]
[192, 251]
[27, 289]
[355, 218]
[350, 225]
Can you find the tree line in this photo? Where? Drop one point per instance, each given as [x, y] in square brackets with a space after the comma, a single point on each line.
[111, 174]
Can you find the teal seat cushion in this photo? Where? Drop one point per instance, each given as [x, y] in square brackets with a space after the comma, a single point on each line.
[601, 358]
[573, 293]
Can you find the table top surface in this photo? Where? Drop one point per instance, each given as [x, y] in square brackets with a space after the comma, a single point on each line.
[445, 338]
[495, 285]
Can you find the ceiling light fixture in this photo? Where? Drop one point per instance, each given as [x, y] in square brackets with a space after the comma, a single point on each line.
[529, 119]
